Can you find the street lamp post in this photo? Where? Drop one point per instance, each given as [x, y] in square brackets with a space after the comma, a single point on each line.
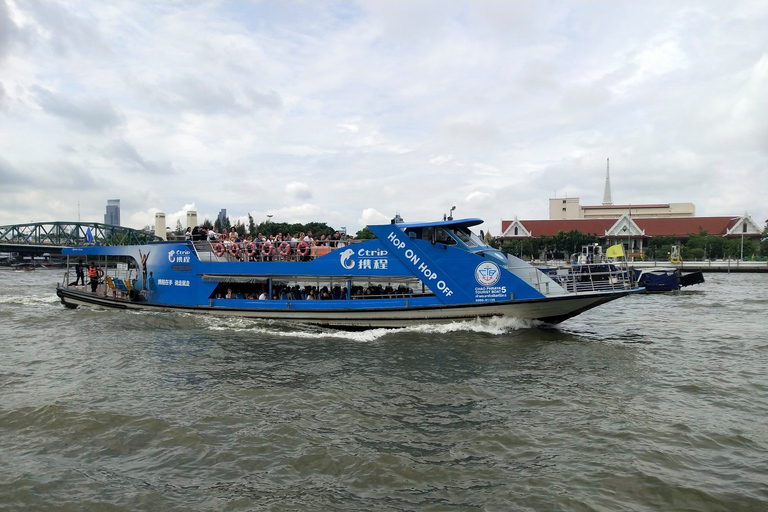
[742, 245]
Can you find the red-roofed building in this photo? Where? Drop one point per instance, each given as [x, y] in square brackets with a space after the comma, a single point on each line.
[633, 232]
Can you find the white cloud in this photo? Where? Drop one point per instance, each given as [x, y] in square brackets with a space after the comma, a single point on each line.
[372, 216]
[441, 159]
[312, 112]
[298, 190]
[478, 197]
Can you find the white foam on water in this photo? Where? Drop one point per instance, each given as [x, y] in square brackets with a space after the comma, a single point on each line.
[30, 300]
[494, 326]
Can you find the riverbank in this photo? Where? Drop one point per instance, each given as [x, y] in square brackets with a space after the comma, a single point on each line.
[686, 266]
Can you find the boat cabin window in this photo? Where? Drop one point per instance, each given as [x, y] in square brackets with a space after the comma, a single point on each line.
[422, 234]
[442, 236]
[414, 233]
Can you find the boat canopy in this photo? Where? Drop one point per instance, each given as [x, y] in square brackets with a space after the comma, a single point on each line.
[443, 223]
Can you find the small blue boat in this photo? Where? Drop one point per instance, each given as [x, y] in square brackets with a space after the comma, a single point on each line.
[666, 279]
[412, 273]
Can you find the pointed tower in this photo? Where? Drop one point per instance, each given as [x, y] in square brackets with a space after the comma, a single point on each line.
[607, 194]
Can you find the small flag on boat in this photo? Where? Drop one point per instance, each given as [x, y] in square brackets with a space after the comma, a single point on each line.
[89, 236]
[615, 251]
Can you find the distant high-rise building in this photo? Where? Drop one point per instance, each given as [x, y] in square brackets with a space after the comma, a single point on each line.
[222, 216]
[191, 218]
[160, 225]
[113, 212]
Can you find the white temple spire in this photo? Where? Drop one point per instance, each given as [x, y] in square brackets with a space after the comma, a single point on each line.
[607, 194]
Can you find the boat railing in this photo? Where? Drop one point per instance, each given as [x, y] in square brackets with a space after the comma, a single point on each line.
[591, 277]
[597, 278]
[225, 251]
[115, 279]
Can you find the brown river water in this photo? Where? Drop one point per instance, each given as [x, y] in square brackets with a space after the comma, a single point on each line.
[652, 402]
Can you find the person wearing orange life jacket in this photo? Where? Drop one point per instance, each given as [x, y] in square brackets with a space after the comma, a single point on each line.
[93, 275]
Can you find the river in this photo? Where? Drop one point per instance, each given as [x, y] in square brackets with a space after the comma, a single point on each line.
[651, 402]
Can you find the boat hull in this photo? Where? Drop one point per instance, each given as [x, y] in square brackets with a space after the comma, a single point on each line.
[549, 310]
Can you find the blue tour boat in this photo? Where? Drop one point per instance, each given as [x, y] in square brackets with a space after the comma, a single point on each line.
[412, 273]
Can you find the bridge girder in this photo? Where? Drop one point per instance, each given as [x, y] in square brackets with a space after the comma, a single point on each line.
[68, 234]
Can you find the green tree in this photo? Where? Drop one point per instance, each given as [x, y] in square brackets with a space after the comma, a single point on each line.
[365, 234]
[179, 229]
[240, 228]
[222, 226]
[251, 226]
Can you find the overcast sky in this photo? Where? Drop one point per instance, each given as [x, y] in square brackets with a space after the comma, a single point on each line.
[350, 112]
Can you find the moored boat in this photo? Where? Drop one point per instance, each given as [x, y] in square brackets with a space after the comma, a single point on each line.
[412, 273]
[666, 279]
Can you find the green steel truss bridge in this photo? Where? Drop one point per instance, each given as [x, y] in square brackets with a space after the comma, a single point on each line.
[51, 237]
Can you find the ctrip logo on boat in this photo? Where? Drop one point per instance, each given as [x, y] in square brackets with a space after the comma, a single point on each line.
[487, 273]
[179, 256]
[366, 259]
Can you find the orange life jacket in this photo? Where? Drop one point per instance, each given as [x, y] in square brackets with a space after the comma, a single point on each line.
[93, 272]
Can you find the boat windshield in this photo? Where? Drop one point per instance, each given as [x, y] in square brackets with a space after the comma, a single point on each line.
[466, 236]
[446, 235]
[442, 236]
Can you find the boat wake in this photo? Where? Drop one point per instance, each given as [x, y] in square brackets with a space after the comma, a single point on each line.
[494, 326]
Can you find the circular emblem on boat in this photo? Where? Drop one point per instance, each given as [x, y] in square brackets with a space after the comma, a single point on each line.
[487, 273]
